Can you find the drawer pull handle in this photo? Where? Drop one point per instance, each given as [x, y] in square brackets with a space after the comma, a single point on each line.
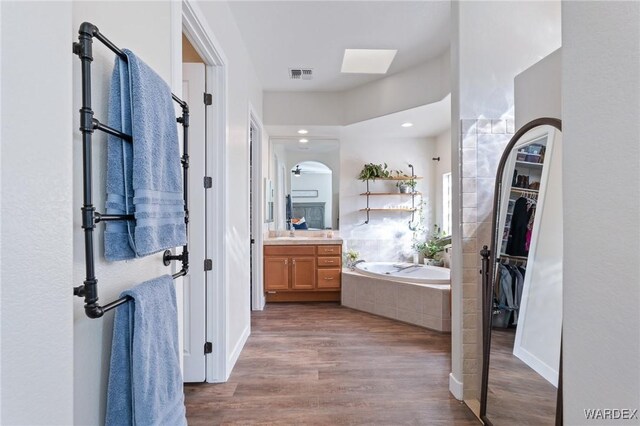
[285, 261]
[328, 278]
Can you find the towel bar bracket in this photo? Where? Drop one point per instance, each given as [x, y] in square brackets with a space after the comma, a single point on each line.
[87, 122]
[88, 214]
[89, 290]
[168, 256]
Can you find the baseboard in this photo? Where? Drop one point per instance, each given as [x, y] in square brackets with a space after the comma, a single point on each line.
[235, 354]
[537, 365]
[455, 387]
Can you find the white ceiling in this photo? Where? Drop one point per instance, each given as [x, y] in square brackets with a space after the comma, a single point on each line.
[428, 121]
[313, 34]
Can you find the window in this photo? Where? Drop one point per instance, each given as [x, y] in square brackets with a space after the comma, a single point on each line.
[446, 203]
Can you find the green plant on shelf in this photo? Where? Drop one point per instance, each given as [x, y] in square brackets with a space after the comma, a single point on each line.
[371, 171]
[408, 185]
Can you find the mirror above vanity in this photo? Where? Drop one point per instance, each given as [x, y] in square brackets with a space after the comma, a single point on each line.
[522, 282]
[306, 181]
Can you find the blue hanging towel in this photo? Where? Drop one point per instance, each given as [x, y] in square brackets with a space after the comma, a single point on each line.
[145, 384]
[144, 177]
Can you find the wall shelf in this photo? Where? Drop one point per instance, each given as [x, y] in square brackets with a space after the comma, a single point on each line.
[392, 193]
[413, 195]
[400, 178]
[408, 209]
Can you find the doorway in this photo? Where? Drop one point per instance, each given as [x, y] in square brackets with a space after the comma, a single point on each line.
[257, 207]
[204, 317]
[194, 85]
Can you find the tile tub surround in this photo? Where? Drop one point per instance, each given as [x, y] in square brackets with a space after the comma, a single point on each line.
[418, 304]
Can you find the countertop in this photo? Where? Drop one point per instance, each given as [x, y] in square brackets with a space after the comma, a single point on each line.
[289, 241]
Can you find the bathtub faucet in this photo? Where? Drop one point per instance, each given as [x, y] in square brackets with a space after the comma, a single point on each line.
[358, 261]
[400, 268]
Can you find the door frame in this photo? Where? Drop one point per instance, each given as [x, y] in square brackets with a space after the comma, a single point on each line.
[187, 18]
[257, 193]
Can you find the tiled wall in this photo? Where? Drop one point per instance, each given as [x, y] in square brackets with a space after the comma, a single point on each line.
[482, 143]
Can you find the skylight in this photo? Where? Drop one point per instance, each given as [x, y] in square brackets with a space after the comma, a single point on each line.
[367, 61]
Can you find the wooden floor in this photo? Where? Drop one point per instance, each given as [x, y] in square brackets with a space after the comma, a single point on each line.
[322, 364]
[516, 393]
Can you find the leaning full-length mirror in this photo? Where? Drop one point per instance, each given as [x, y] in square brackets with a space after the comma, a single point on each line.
[523, 282]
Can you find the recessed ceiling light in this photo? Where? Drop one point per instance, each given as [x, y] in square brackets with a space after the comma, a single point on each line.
[304, 140]
[407, 124]
[303, 131]
[367, 61]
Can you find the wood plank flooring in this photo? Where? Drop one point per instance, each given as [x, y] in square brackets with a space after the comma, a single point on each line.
[517, 394]
[322, 364]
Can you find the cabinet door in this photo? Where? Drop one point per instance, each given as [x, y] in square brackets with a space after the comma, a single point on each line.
[303, 273]
[276, 273]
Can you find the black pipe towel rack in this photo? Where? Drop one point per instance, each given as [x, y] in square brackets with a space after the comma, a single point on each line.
[89, 290]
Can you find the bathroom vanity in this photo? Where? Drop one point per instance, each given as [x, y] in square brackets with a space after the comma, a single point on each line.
[302, 269]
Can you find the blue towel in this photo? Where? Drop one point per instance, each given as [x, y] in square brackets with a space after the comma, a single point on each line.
[145, 383]
[144, 178]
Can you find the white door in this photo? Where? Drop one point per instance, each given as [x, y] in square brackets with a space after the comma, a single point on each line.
[193, 89]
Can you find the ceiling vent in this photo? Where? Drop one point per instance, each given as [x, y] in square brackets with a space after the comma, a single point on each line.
[300, 73]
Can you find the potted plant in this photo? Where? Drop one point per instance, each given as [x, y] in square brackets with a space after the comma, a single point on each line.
[350, 257]
[433, 247]
[374, 171]
[406, 186]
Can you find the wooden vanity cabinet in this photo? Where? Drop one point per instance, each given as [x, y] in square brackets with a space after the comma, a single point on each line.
[299, 273]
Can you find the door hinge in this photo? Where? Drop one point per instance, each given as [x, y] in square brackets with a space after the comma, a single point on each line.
[208, 182]
[208, 347]
[208, 264]
[208, 99]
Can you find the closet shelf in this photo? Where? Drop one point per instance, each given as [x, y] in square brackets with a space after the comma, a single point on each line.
[529, 164]
[531, 191]
[392, 193]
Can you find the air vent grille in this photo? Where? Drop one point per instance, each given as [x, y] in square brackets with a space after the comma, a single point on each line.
[300, 73]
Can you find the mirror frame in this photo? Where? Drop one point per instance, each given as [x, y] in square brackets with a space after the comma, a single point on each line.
[488, 272]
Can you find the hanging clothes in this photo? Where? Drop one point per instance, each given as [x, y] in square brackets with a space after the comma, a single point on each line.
[532, 215]
[516, 245]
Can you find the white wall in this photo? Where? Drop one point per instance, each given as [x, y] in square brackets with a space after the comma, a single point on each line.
[443, 150]
[121, 23]
[498, 41]
[36, 197]
[600, 110]
[493, 42]
[387, 237]
[243, 88]
[538, 94]
[538, 90]
[423, 84]
[303, 108]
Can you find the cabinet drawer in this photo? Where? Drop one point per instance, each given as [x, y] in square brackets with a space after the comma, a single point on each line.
[296, 250]
[329, 261]
[324, 250]
[329, 278]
